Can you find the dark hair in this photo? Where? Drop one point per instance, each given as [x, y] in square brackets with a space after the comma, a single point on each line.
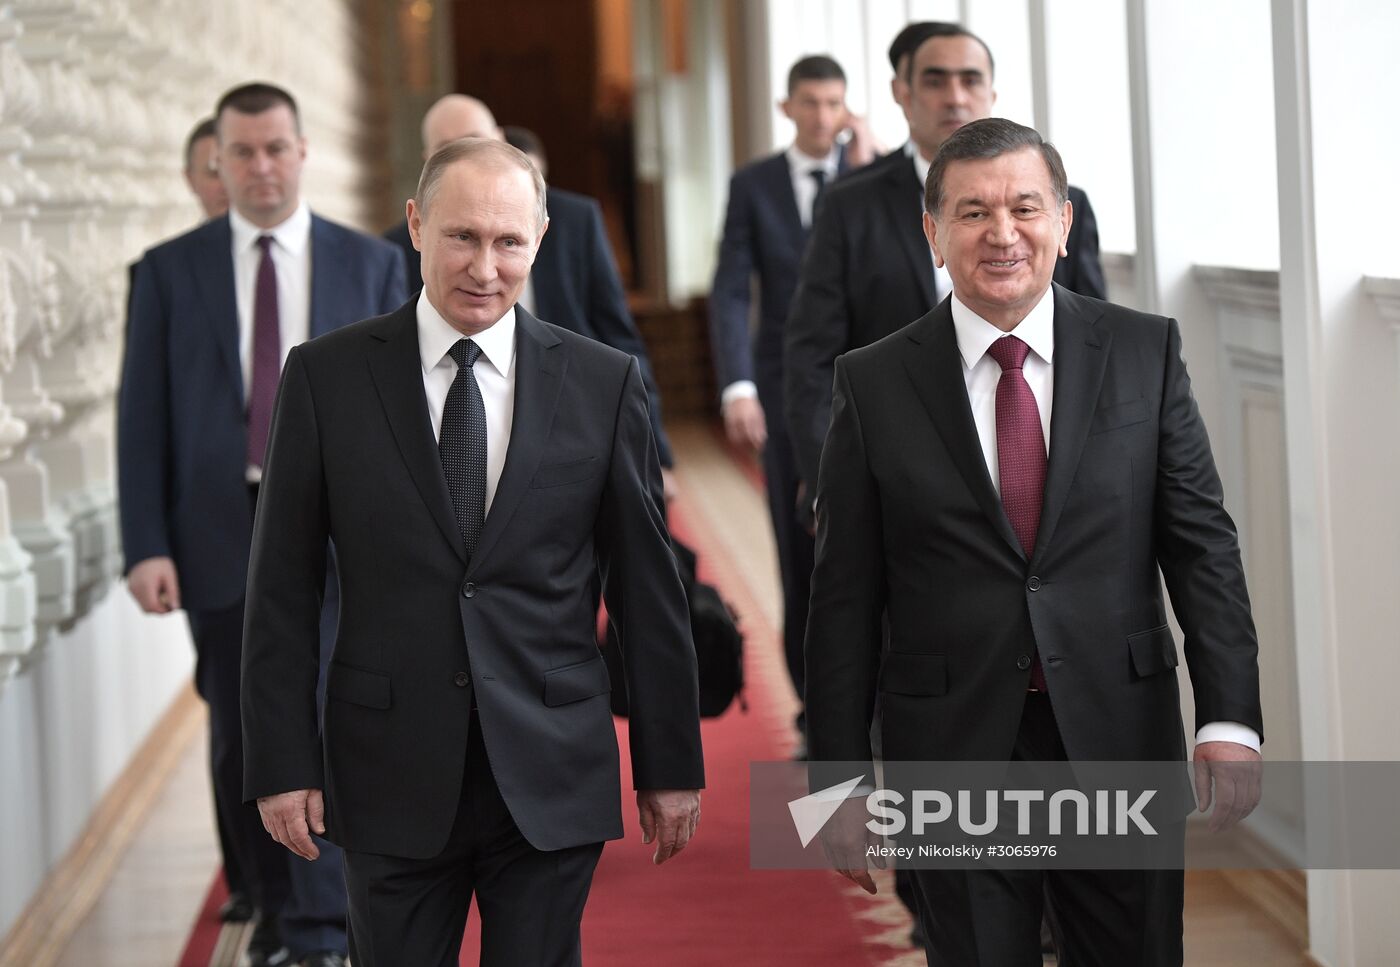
[912, 37]
[204, 129]
[991, 138]
[817, 67]
[525, 140]
[256, 98]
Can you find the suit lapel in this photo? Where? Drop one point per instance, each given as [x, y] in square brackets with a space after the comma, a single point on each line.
[1081, 355]
[900, 190]
[396, 367]
[777, 185]
[935, 370]
[540, 364]
[213, 273]
[328, 308]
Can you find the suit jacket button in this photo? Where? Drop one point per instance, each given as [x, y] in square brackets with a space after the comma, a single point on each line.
[461, 680]
[1033, 583]
[1023, 662]
[469, 590]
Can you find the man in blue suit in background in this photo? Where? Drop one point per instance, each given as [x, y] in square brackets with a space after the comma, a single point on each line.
[575, 283]
[771, 202]
[213, 314]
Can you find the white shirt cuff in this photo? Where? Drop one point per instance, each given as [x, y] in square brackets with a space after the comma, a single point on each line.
[740, 389]
[1229, 732]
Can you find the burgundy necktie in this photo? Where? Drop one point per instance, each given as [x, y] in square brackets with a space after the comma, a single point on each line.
[267, 355]
[1020, 454]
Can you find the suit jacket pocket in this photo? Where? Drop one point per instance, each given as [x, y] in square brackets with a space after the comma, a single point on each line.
[359, 686]
[574, 683]
[1119, 414]
[1153, 651]
[558, 474]
[909, 674]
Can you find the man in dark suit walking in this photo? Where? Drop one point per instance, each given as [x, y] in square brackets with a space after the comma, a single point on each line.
[575, 282]
[769, 216]
[868, 270]
[477, 470]
[213, 314]
[1021, 587]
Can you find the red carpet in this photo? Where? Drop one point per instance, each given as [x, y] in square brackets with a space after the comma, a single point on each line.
[205, 933]
[706, 907]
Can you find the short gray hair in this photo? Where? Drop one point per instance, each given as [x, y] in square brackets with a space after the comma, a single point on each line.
[986, 139]
[482, 151]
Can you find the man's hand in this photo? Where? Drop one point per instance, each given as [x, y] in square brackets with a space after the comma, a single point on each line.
[669, 817]
[668, 485]
[846, 840]
[154, 585]
[1238, 771]
[291, 817]
[863, 147]
[744, 423]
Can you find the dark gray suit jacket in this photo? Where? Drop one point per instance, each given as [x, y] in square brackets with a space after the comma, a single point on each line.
[910, 526]
[424, 633]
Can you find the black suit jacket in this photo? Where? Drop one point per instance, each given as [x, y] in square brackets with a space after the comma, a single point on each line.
[576, 286]
[867, 273]
[182, 428]
[763, 236]
[910, 525]
[423, 632]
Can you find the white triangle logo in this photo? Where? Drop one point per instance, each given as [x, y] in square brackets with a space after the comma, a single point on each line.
[811, 812]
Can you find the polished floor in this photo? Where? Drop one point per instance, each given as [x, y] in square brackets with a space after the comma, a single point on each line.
[143, 916]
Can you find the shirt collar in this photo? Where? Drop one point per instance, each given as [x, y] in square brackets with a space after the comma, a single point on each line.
[436, 336]
[293, 234]
[921, 166]
[800, 163]
[976, 335]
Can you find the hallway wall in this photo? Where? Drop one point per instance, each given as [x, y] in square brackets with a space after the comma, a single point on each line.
[96, 99]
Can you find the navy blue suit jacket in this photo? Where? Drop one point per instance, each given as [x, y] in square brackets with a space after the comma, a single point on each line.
[763, 234]
[181, 414]
[576, 285]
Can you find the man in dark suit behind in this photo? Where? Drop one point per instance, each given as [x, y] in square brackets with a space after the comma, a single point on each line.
[766, 225]
[1021, 589]
[575, 282]
[213, 313]
[868, 271]
[468, 745]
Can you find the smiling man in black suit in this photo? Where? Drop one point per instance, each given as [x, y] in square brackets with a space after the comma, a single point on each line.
[1003, 480]
[477, 469]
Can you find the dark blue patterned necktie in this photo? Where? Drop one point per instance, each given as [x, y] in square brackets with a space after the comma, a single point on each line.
[462, 444]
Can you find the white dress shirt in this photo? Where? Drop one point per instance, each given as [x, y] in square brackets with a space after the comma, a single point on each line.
[495, 376]
[291, 257]
[804, 191]
[804, 186]
[942, 281]
[981, 373]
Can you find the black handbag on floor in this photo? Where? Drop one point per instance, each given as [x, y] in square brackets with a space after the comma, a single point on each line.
[719, 645]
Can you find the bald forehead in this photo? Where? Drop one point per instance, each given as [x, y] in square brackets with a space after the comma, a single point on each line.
[457, 116]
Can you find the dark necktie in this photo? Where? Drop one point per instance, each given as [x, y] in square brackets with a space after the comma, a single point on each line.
[818, 176]
[462, 444]
[267, 354]
[1021, 458]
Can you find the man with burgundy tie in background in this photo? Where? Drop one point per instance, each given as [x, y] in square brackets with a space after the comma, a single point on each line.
[214, 313]
[1002, 481]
